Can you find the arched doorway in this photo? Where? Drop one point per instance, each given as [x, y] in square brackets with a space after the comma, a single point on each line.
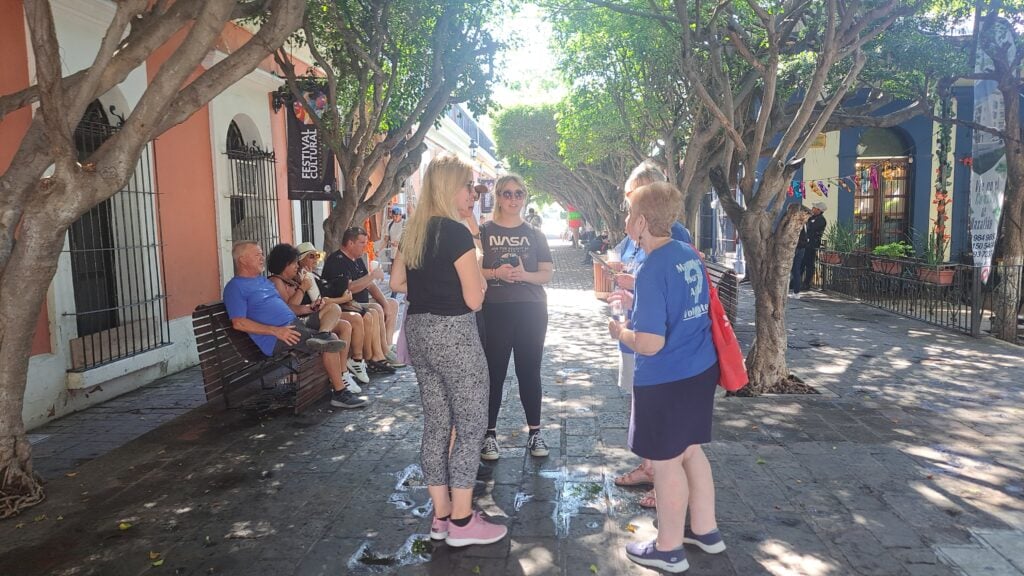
[253, 197]
[91, 240]
[882, 195]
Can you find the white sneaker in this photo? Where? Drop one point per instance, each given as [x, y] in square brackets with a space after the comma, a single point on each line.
[350, 383]
[358, 369]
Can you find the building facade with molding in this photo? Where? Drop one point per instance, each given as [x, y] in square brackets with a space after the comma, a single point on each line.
[117, 314]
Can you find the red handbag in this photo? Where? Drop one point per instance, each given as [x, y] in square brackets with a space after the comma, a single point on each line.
[731, 365]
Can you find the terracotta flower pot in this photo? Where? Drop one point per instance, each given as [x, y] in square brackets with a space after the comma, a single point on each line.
[942, 276]
[890, 267]
[830, 257]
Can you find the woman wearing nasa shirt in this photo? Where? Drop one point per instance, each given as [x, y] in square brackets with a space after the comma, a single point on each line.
[516, 265]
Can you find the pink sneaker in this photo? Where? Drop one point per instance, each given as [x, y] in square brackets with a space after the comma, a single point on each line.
[478, 531]
[438, 529]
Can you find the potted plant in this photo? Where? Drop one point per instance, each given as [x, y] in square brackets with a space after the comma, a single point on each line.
[839, 240]
[935, 271]
[886, 257]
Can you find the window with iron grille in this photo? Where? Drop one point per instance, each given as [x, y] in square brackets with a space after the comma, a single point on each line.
[306, 221]
[253, 194]
[114, 250]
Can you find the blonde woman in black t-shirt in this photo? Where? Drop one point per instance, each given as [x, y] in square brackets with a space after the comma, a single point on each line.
[436, 266]
[516, 263]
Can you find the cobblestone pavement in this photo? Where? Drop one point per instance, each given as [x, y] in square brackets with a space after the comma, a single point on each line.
[910, 462]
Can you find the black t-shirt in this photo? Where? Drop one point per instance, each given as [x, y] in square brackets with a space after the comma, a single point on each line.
[434, 287]
[338, 264]
[524, 242]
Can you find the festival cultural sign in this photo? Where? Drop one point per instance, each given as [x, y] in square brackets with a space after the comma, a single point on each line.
[988, 161]
[310, 161]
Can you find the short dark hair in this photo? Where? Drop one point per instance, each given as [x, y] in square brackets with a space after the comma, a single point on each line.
[280, 257]
[352, 234]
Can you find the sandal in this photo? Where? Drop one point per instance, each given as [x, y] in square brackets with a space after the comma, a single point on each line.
[649, 500]
[636, 477]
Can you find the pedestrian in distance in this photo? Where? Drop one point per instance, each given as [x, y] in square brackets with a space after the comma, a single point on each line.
[815, 227]
[517, 264]
[674, 382]
[436, 266]
[533, 219]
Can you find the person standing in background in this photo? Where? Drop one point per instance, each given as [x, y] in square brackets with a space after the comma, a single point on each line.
[575, 220]
[393, 233]
[437, 268]
[534, 219]
[815, 227]
[517, 263]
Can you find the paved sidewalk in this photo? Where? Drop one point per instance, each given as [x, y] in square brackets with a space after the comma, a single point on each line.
[909, 463]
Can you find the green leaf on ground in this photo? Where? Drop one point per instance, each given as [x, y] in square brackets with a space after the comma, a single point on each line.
[593, 568]
[124, 526]
[761, 460]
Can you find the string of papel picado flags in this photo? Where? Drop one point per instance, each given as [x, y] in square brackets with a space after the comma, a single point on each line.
[867, 179]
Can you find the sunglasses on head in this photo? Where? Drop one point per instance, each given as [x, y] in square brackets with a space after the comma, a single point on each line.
[508, 194]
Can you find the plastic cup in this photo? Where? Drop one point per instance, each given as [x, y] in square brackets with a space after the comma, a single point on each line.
[617, 310]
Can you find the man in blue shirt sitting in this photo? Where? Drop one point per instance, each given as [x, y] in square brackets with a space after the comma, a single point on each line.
[256, 308]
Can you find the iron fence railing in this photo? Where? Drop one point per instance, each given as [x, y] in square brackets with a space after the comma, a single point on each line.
[953, 296]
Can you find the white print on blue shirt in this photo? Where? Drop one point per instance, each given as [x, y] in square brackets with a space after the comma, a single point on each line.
[692, 275]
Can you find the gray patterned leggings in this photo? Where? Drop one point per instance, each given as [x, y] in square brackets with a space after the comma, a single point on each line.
[452, 372]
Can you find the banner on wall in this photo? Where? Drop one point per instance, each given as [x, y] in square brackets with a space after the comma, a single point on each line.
[310, 161]
[988, 158]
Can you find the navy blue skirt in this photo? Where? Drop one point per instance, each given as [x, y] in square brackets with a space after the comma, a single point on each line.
[668, 418]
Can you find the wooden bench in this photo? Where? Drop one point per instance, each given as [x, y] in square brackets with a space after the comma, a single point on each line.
[728, 285]
[237, 372]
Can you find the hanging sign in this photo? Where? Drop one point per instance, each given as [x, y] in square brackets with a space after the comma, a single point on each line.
[310, 161]
[988, 166]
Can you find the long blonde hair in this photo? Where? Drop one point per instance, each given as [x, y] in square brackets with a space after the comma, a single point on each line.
[510, 177]
[445, 176]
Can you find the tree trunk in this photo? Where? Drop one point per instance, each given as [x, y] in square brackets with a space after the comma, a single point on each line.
[22, 290]
[769, 249]
[692, 198]
[342, 214]
[1006, 304]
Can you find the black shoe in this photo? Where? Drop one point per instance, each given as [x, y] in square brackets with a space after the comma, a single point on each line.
[331, 344]
[379, 367]
[344, 398]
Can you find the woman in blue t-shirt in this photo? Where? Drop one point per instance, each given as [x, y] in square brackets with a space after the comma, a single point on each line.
[436, 266]
[674, 381]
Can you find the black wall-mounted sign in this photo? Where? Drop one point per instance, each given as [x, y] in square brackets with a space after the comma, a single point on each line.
[310, 161]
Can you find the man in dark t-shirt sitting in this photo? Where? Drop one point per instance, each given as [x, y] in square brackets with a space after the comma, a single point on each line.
[348, 261]
[256, 308]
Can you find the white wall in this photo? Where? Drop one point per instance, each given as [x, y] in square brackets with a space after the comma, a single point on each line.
[247, 103]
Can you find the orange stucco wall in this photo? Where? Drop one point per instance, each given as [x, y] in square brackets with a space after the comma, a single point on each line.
[13, 77]
[188, 216]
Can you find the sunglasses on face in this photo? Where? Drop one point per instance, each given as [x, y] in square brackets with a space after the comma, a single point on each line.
[509, 194]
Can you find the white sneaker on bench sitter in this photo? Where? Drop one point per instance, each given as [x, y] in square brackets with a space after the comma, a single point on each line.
[350, 383]
[358, 369]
